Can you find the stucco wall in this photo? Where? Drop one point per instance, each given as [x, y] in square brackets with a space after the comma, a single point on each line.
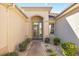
[43, 14]
[65, 27]
[13, 28]
[16, 29]
[3, 29]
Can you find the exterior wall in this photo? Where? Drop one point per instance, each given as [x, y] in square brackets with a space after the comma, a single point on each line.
[65, 27]
[43, 14]
[13, 29]
[16, 29]
[3, 30]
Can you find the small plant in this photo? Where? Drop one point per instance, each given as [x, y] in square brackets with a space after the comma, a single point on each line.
[52, 32]
[47, 40]
[52, 54]
[28, 40]
[11, 54]
[69, 49]
[46, 45]
[24, 44]
[49, 50]
[56, 41]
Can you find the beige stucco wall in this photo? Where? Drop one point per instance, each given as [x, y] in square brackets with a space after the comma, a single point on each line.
[13, 28]
[3, 28]
[16, 29]
[43, 14]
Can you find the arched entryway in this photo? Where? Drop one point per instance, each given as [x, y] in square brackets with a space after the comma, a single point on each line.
[37, 27]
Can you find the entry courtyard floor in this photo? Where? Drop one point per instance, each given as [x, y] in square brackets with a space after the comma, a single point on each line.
[38, 48]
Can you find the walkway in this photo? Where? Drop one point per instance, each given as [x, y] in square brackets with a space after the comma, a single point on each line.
[36, 49]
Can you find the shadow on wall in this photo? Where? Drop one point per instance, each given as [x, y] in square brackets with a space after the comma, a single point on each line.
[64, 31]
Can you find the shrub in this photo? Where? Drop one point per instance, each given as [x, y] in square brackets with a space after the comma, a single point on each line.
[41, 38]
[28, 40]
[24, 44]
[56, 41]
[11, 54]
[52, 32]
[47, 40]
[52, 53]
[69, 49]
[46, 45]
[49, 50]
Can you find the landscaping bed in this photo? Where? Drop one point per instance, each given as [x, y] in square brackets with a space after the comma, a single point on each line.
[58, 48]
[53, 50]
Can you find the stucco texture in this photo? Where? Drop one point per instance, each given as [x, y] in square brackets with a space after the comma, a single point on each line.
[13, 28]
[66, 27]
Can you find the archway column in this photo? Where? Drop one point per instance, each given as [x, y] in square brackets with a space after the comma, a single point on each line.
[29, 28]
[45, 29]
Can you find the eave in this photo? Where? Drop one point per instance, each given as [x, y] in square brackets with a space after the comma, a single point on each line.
[66, 11]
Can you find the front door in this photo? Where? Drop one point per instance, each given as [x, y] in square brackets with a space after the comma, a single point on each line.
[37, 30]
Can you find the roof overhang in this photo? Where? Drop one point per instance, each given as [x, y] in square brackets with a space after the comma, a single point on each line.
[68, 10]
[37, 8]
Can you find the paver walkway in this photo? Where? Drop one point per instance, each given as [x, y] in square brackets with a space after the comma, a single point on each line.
[36, 49]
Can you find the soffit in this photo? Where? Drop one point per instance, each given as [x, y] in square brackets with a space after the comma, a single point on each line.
[37, 8]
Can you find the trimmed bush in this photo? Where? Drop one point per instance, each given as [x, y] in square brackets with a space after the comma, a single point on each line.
[51, 52]
[46, 45]
[11, 54]
[69, 49]
[52, 32]
[24, 44]
[47, 40]
[56, 41]
[28, 40]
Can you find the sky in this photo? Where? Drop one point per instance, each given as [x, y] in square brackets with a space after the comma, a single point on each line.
[56, 7]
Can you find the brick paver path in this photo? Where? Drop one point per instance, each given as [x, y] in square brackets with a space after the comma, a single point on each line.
[36, 49]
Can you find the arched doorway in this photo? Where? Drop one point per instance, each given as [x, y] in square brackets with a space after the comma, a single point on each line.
[37, 27]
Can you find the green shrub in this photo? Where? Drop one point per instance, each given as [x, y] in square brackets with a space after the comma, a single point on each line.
[28, 40]
[49, 50]
[56, 41]
[11, 54]
[24, 44]
[52, 53]
[47, 40]
[69, 49]
[46, 45]
[52, 32]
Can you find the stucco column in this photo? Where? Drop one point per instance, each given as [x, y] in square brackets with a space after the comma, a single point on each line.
[45, 29]
[29, 28]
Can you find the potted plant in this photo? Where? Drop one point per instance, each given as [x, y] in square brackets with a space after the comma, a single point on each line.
[56, 41]
[47, 40]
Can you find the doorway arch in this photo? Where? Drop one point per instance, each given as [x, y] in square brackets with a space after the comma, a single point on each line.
[37, 27]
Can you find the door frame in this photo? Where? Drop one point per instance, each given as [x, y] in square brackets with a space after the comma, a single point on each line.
[38, 21]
